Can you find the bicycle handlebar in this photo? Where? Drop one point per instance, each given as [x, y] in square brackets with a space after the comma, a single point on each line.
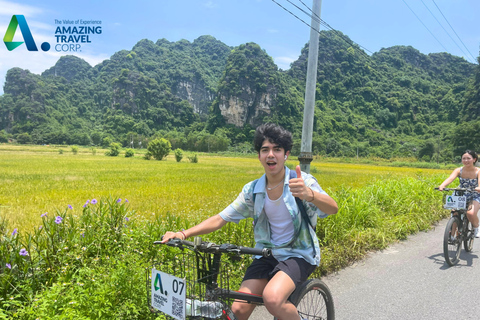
[210, 247]
[453, 189]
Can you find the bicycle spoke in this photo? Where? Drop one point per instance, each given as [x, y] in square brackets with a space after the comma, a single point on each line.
[313, 306]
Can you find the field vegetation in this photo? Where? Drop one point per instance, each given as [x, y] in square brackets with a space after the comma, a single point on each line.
[77, 228]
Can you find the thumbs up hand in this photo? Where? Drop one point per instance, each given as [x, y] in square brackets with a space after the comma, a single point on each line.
[298, 187]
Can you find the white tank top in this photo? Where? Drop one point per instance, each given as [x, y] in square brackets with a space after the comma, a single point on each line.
[281, 223]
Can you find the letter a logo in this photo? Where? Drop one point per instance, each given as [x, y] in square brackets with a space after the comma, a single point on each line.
[158, 283]
[19, 20]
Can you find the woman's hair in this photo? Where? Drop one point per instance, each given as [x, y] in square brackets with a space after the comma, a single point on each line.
[473, 154]
[273, 133]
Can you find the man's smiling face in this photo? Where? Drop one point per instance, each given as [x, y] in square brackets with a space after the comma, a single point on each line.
[272, 157]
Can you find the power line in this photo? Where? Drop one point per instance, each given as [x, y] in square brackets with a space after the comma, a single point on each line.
[326, 25]
[425, 25]
[443, 27]
[453, 30]
[322, 22]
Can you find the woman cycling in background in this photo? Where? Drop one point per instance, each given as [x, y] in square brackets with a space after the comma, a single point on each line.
[468, 176]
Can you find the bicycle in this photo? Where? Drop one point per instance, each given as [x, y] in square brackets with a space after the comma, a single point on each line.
[195, 284]
[458, 228]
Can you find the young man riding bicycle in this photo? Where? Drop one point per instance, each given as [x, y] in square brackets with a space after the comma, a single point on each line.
[270, 201]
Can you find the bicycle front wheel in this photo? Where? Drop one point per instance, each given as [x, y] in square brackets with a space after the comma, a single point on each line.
[469, 237]
[452, 241]
[314, 301]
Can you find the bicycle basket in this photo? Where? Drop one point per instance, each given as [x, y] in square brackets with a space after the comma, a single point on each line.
[197, 275]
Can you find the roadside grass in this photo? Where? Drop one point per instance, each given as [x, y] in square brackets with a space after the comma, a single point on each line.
[86, 259]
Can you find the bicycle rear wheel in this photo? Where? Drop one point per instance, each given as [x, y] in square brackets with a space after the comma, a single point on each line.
[469, 237]
[314, 301]
[452, 241]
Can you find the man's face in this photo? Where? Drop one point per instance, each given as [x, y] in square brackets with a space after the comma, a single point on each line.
[272, 157]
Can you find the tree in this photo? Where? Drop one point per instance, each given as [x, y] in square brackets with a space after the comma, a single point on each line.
[178, 154]
[3, 136]
[427, 151]
[129, 153]
[24, 138]
[159, 148]
[466, 136]
[96, 138]
[114, 149]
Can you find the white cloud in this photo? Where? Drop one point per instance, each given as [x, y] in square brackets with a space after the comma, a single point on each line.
[38, 62]
[210, 4]
[284, 62]
[8, 8]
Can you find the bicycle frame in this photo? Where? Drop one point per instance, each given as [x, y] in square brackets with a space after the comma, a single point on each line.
[214, 293]
[458, 228]
[209, 282]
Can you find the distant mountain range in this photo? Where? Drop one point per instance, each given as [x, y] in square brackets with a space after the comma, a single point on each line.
[395, 102]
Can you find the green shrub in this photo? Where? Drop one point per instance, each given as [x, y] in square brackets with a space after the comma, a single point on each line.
[178, 154]
[74, 149]
[93, 150]
[114, 151]
[159, 148]
[193, 159]
[24, 138]
[129, 153]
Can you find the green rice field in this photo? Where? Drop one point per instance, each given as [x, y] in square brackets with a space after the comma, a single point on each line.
[38, 179]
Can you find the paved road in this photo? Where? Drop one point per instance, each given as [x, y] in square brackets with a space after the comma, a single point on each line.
[409, 280]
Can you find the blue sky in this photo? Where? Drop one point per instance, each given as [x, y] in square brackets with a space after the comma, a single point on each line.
[373, 24]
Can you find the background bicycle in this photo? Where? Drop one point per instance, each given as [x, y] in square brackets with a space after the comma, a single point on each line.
[458, 228]
[193, 282]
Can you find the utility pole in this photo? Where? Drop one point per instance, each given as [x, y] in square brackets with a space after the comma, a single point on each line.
[309, 109]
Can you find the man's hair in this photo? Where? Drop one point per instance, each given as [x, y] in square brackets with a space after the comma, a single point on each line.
[473, 154]
[273, 133]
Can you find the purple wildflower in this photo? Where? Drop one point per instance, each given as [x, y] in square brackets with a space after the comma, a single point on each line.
[94, 201]
[86, 203]
[70, 207]
[83, 235]
[126, 200]
[23, 252]
[44, 215]
[58, 220]
[126, 219]
[15, 231]
[119, 200]
[9, 266]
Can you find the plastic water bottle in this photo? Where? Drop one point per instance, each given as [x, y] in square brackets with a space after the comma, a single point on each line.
[207, 309]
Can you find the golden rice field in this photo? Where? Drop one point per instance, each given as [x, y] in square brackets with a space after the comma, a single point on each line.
[36, 179]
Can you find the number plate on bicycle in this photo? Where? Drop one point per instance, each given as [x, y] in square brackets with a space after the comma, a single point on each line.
[455, 202]
[168, 294]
